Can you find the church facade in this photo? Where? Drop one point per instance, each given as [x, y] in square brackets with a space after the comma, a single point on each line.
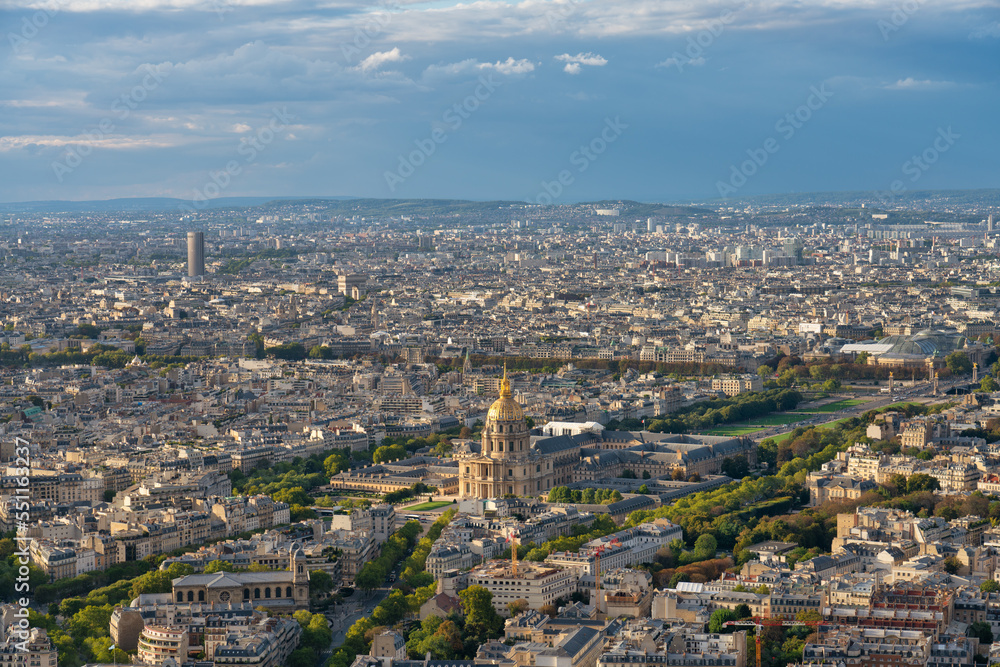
[281, 591]
[510, 461]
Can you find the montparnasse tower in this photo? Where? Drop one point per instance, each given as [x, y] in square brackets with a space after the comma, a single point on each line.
[505, 434]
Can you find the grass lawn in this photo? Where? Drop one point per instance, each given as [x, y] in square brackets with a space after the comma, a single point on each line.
[781, 438]
[755, 424]
[732, 430]
[833, 407]
[427, 507]
[897, 405]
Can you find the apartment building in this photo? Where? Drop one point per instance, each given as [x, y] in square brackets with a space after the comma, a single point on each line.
[539, 584]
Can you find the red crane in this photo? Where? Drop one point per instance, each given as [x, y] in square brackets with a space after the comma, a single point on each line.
[760, 622]
[597, 553]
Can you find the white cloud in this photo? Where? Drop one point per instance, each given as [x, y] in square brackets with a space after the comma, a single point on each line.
[909, 83]
[575, 63]
[379, 58]
[107, 141]
[584, 59]
[472, 66]
[511, 66]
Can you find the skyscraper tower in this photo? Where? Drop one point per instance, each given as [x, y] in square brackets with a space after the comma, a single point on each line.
[989, 223]
[196, 254]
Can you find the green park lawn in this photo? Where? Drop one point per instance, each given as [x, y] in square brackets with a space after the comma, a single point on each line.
[833, 407]
[781, 438]
[427, 507]
[732, 430]
[754, 425]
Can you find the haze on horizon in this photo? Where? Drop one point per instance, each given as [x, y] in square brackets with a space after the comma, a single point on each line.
[541, 100]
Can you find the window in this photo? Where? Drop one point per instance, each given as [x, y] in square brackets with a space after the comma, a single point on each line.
[277, 591]
[256, 594]
[180, 596]
[246, 593]
[190, 596]
[288, 591]
[267, 592]
[201, 596]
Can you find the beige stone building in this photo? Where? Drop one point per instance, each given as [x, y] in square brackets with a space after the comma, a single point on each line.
[280, 591]
[539, 584]
[511, 462]
[734, 385]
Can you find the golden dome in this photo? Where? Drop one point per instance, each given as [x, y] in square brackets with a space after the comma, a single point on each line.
[505, 408]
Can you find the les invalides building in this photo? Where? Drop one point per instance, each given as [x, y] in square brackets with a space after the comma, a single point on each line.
[507, 462]
[511, 462]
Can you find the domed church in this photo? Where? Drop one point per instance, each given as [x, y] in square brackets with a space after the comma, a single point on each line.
[507, 464]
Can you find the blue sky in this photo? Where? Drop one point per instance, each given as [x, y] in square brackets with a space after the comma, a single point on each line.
[638, 99]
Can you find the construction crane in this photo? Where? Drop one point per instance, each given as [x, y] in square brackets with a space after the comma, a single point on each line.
[760, 622]
[513, 552]
[597, 554]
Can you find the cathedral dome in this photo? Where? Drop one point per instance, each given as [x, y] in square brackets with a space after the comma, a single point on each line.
[505, 408]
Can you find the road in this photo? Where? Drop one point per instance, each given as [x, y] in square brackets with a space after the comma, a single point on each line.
[357, 606]
[362, 604]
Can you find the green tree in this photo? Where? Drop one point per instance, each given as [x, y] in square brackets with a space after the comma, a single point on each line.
[989, 586]
[643, 489]
[988, 384]
[320, 352]
[765, 371]
[320, 583]
[706, 546]
[958, 363]
[370, 576]
[482, 622]
[921, 482]
[736, 467]
[517, 606]
[287, 352]
[952, 565]
[92, 621]
[716, 623]
[385, 453]
[983, 631]
[219, 566]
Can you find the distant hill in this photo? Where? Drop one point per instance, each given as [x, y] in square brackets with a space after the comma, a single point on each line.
[397, 207]
[925, 200]
[984, 197]
[135, 204]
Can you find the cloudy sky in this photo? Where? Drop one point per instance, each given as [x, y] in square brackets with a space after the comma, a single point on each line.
[655, 100]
